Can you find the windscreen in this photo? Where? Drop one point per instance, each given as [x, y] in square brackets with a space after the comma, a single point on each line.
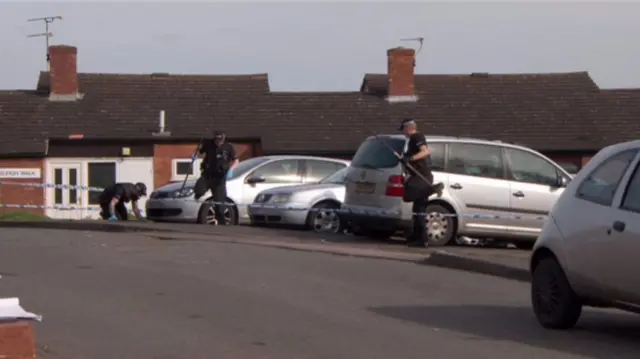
[247, 165]
[374, 154]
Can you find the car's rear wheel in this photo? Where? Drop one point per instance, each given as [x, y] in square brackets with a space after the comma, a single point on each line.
[207, 214]
[554, 302]
[323, 217]
[440, 225]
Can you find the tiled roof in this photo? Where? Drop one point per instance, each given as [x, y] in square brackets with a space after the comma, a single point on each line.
[620, 115]
[545, 111]
[128, 106]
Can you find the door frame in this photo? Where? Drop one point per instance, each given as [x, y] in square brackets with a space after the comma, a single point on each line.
[66, 166]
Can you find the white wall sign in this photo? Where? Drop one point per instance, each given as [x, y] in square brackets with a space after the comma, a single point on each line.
[20, 173]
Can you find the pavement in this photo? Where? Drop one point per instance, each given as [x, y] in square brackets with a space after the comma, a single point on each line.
[139, 295]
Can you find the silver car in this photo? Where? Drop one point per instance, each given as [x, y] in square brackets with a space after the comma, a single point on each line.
[311, 205]
[587, 253]
[492, 189]
[172, 203]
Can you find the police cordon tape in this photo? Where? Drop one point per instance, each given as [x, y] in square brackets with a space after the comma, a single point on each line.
[379, 212]
[55, 186]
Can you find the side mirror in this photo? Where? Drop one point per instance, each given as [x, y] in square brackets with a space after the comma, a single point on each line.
[255, 179]
[562, 181]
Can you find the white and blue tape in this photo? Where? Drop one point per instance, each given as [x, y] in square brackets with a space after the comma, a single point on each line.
[372, 212]
[51, 185]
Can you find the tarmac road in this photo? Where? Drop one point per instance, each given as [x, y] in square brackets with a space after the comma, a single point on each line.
[112, 295]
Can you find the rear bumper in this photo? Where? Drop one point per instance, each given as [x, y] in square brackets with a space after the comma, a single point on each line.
[376, 222]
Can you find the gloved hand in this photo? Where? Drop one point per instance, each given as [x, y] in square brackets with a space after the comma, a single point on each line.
[229, 173]
[405, 158]
[113, 218]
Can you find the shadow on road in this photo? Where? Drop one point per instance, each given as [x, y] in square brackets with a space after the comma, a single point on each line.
[598, 335]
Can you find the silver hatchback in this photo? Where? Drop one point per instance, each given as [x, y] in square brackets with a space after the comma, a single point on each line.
[587, 253]
[492, 189]
[252, 176]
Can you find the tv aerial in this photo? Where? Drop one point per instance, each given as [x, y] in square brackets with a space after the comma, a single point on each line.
[419, 40]
[46, 34]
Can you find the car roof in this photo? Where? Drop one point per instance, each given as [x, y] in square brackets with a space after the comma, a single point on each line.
[302, 157]
[458, 139]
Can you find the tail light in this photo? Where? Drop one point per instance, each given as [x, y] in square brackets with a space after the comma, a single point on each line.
[395, 186]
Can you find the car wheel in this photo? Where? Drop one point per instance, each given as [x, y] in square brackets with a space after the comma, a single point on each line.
[440, 225]
[554, 303]
[324, 218]
[207, 214]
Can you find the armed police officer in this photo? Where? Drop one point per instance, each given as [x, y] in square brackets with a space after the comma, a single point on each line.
[419, 185]
[219, 159]
[113, 199]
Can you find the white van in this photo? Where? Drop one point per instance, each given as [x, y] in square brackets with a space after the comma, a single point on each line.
[492, 189]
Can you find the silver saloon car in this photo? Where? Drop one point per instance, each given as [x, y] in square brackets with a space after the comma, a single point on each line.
[311, 205]
[172, 203]
[587, 253]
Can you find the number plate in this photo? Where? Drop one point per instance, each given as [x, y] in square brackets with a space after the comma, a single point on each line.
[365, 187]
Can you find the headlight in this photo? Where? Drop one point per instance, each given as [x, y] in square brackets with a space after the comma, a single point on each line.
[186, 192]
[280, 198]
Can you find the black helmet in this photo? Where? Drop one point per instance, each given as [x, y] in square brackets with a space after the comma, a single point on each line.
[142, 188]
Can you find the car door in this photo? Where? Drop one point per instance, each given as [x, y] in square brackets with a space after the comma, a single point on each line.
[316, 170]
[477, 182]
[585, 218]
[534, 186]
[620, 249]
[277, 173]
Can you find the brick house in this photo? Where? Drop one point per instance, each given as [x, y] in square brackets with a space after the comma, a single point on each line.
[94, 129]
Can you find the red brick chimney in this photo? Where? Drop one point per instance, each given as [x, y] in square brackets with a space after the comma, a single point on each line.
[400, 71]
[63, 72]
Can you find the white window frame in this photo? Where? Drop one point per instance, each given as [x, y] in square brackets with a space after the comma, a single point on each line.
[174, 168]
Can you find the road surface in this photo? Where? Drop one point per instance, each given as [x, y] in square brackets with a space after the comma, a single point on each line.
[106, 295]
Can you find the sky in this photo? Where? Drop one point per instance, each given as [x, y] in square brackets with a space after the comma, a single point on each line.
[325, 46]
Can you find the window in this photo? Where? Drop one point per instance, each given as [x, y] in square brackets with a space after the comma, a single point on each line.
[631, 200]
[527, 167]
[317, 170]
[601, 184]
[57, 174]
[475, 160]
[338, 177]
[100, 174]
[73, 181]
[282, 171]
[570, 167]
[437, 156]
[373, 153]
[246, 166]
[183, 167]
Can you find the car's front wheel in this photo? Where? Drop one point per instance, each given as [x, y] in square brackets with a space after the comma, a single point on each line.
[323, 217]
[207, 214]
[554, 302]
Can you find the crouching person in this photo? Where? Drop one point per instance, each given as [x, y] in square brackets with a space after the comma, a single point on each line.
[114, 198]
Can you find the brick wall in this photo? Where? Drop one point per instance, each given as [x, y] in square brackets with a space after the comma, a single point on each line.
[22, 195]
[164, 154]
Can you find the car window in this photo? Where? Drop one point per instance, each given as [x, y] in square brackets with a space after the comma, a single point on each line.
[280, 171]
[527, 167]
[373, 153]
[601, 184]
[437, 155]
[631, 200]
[318, 169]
[475, 160]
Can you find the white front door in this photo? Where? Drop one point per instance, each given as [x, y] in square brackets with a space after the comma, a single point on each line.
[66, 202]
